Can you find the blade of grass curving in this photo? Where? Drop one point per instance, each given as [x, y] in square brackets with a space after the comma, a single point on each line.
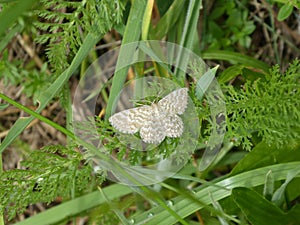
[127, 174]
[12, 13]
[185, 206]
[167, 21]
[262, 211]
[230, 73]
[46, 96]
[222, 216]
[132, 34]
[153, 196]
[155, 53]
[237, 58]
[280, 194]
[77, 205]
[187, 194]
[37, 115]
[205, 81]
[116, 210]
[1, 171]
[268, 186]
[9, 36]
[172, 212]
[147, 19]
[187, 37]
[3, 106]
[68, 209]
[190, 26]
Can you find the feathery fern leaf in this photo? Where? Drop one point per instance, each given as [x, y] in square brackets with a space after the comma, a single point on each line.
[66, 23]
[269, 107]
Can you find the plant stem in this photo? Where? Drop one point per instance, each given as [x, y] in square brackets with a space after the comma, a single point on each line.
[37, 115]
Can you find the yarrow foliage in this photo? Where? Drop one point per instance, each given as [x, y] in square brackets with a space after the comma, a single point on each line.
[66, 24]
[48, 173]
[268, 108]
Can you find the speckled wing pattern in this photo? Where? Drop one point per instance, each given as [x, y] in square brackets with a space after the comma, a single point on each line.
[175, 102]
[154, 122]
[131, 121]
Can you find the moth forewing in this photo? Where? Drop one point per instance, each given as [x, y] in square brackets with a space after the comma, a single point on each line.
[173, 126]
[175, 102]
[154, 122]
[130, 121]
[153, 132]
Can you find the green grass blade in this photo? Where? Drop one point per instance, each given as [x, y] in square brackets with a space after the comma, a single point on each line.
[261, 211]
[230, 73]
[185, 206]
[204, 82]
[37, 115]
[3, 106]
[10, 14]
[147, 19]
[168, 20]
[1, 171]
[45, 98]
[237, 58]
[190, 26]
[9, 36]
[188, 36]
[76, 206]
[280, 194]
[132, 34]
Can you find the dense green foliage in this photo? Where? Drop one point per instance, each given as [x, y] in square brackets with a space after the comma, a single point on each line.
[261, 124]
[267, 107]
[48, 173]
[67, 30]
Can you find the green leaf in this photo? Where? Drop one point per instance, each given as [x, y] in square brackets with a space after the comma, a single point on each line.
[294, 213]
[292, 191]
[284, 12]
[295, 3]
[236, 58]
[76, 206]
[264, 155]
[3, 106]
[258, 210]
[204, 82]
[279, 195]
[10, 14]
[252, 75]
[269, 186]
[188, 35]
[230, 73]
[167, 21]
[9, 36]
[238, 69]
[37, 115]
[131, 34]
[222, 217]
[48, 94]
[186, 206]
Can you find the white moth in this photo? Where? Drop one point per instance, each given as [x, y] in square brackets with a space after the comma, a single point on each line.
[156, 121]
